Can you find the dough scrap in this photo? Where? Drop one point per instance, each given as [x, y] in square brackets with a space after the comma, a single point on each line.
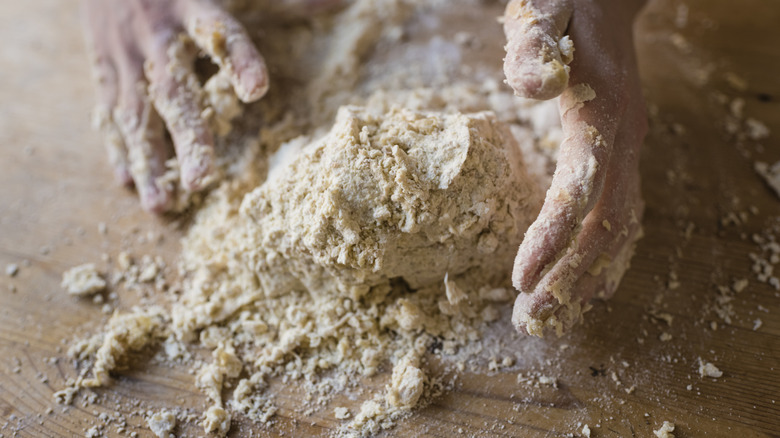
[162, 424]
[83, 280]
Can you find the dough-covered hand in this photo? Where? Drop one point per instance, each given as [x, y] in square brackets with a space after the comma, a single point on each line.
[146, 83]
[580, 244]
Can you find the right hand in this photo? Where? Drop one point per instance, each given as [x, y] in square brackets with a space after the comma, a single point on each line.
[146, 83]
[581, 243]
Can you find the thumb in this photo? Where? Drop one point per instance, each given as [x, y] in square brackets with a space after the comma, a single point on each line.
[537, 53]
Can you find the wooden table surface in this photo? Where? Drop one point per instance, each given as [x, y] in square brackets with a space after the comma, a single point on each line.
[55, 189]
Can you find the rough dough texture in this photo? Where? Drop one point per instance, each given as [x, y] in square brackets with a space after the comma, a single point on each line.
[407, 383]
[162, 424]
[707, 369]
[411, 195]
[83, 280]
[665, 431]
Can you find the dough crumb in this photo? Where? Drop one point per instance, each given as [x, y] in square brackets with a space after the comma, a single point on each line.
[665, 431]
[83, 280]
[406, 384]
[707, 369]
[217, 421]
[384, 196]
[11, 269]
[341, 413]
[771, 174]
[162, 424]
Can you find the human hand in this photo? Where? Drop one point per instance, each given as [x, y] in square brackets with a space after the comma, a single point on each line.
[583, 239]
[146, 83]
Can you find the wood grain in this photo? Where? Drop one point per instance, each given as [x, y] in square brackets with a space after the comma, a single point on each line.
[55, 189]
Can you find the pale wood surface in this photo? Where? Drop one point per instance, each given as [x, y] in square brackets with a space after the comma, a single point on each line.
[54, 181]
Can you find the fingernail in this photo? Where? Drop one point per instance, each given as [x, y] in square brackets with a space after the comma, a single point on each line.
[254, 84]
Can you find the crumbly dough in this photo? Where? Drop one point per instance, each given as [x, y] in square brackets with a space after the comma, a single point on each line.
[126, 332]
[83, 280]
[341, 413]
[406, 194]
[665, 431]
[222, 103]
[162, 424]
[216, 420]
[707, 369]
[406, 384]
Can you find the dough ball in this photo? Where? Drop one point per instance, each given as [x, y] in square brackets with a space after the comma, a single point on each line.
[409, 195]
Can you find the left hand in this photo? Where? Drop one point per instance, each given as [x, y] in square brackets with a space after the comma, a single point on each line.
[146, 84]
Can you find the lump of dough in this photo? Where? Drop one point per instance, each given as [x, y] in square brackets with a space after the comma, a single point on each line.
[83, 280]
[407, 384]
[410, 195]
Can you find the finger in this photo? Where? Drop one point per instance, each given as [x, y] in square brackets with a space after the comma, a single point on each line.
[591, 110]
[228, 44]
[596, 266]
[103, 121]
[176, 94]
[612, 226]
[144, 136]
[575, 188]
[537, 52]
[105, 76]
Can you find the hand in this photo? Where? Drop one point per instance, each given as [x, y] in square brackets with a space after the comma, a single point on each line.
[582, 241]
[146, 83]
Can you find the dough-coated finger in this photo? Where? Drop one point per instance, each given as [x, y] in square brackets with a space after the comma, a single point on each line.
[595, 267]
[177, 94]
[103, 119]
[612, 224]
[228, 44]
[147, 149]
[537, 52]
[107, 86]
[576, 187]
